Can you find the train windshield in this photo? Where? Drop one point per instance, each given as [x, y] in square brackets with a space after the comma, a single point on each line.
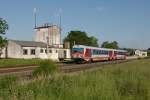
[79, 50]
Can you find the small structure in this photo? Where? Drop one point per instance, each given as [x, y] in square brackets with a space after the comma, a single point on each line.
[141, 53]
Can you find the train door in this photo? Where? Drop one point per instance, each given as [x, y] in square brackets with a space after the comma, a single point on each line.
[111, 55]
[65, 54]
[87, 53]
[115, 55]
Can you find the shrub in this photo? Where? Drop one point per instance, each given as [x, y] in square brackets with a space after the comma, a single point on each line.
[7, 82]
[45, 68]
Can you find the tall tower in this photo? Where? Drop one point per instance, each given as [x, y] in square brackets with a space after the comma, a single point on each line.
[49, 34]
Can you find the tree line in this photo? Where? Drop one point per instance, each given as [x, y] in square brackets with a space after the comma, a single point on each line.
[81, 38]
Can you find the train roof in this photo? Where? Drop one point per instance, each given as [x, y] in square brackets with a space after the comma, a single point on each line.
[83, 46]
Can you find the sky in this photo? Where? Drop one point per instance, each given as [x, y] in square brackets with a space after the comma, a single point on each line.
[124, 21]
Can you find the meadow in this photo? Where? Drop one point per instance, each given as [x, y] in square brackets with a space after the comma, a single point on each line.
[126, 81]
[18, 62]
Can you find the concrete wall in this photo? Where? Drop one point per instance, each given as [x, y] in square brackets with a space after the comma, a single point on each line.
[64, 53]
[53, 54]
[41, 55]
[52, 32]
[41, 34]
[14, 50]
[54, 35]
[38, 54]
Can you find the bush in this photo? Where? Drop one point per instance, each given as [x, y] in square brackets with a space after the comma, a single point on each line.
[148, 53]
[7, 82]
[45, 68]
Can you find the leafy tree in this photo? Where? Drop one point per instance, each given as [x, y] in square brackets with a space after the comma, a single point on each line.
[112, 45]
[3, 28]
[130, 51]
[80, 38]
[148, 52]
[93, 41]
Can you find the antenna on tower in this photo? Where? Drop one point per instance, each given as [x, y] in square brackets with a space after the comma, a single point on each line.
[60, 12]
[60, 28]
[34, 12]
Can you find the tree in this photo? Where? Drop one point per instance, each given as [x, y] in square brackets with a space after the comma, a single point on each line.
[112, 45]
[130, 51]
[3, 28]
[80, 38]
[93, 41]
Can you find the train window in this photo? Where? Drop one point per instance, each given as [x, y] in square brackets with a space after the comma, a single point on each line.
[94, 52]
[120, 53]
[99, 52]
[78, 50]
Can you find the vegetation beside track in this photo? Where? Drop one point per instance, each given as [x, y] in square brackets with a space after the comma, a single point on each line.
[125, 81]
[18, 62]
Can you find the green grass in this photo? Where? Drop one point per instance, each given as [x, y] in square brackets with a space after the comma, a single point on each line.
[45, 68]
[18, 62]
[127, 81]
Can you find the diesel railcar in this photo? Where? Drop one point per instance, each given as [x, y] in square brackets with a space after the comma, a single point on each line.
[81, 53]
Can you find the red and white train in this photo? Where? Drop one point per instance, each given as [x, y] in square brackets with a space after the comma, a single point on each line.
[81, 53]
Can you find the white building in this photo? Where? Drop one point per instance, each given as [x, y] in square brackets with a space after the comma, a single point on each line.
[25, 49]
[47, 45]
[141, 53]
[32, 49]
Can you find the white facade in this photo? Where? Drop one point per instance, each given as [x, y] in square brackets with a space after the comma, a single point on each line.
[141, 53]
[15, 50]
[48, 34]
[31, 49]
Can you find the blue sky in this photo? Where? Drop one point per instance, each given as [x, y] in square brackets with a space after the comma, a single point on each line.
[126, 21]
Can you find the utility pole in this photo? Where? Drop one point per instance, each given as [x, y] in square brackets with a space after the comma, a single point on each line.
[47, 44]
[34, 12]
[60, 28]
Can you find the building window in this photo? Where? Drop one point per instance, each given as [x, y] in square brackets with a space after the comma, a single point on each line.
[45, 50]
[25, 51]
[32, 51]
[41, 51]
[50, 51]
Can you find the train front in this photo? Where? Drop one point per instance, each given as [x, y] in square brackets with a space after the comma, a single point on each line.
[78, 54]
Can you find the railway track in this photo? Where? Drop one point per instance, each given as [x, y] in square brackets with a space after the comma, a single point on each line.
[26, 71]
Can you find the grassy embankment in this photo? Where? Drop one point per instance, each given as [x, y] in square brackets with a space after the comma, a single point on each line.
[18, 62]
[128, 81]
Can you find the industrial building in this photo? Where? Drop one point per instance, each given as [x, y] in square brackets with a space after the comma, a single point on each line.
[47, 45]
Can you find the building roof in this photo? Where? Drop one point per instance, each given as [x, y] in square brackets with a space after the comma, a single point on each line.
[30, 43]
[46, 26]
